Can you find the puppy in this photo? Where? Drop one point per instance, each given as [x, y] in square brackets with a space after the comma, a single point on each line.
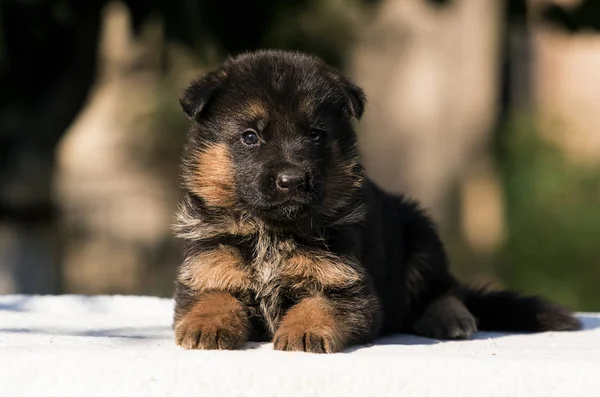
[289, 241]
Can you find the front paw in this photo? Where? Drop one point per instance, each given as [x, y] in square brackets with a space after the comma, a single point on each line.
[315, 340]
[310, 326]
[217, 321]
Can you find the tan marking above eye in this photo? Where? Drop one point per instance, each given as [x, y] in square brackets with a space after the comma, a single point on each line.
[255, 109]
[306, 105]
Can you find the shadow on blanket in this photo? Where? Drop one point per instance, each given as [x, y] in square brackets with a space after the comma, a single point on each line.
[125, 333]
[589, 323]
[18, 305]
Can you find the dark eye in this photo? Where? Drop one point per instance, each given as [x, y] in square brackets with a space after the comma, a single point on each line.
[316, 135]
[249, 137]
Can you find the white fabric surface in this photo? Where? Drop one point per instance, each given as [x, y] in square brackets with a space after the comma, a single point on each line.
[123, 346]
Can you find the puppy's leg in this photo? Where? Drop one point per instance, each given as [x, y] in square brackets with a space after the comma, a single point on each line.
[216, 320]
[446, 318]
[324, 325]
[206, 315]
[427, 275]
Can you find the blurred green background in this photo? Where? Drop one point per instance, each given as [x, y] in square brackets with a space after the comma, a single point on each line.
[485, 110]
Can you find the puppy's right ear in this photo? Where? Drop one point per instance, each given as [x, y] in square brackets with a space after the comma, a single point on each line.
[197, 96]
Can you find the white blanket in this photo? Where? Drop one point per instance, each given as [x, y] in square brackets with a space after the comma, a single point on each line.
[123, 346]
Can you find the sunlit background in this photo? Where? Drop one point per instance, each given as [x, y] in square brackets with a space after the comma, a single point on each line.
[488, 111]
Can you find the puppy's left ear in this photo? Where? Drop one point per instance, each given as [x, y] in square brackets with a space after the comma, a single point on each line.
[200, 92]
[355, 96]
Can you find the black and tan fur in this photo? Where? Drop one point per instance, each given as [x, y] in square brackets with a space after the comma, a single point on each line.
[334, 263]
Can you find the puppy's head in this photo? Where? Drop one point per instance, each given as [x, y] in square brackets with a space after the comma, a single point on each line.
[271, 135]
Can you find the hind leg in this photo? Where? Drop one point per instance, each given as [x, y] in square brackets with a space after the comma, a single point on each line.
[446, 318]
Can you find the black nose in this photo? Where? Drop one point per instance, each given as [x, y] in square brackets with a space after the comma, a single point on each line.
[291, 181]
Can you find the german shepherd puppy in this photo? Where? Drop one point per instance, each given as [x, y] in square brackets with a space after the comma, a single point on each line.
[289, 241]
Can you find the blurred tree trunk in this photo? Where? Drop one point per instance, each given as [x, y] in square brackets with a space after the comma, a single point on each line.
[567, 81]
[116, 181]
[431, 74]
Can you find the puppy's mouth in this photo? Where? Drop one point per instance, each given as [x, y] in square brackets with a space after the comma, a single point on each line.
[288, 209]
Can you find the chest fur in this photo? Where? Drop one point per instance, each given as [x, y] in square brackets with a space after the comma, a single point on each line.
[284, 271]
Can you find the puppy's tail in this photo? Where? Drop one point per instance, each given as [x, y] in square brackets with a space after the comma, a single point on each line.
[511, 312]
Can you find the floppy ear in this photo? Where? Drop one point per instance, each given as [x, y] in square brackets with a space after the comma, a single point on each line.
[356, 98]
[195, 98]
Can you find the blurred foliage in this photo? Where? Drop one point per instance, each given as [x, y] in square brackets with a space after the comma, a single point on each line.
[553, 216]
